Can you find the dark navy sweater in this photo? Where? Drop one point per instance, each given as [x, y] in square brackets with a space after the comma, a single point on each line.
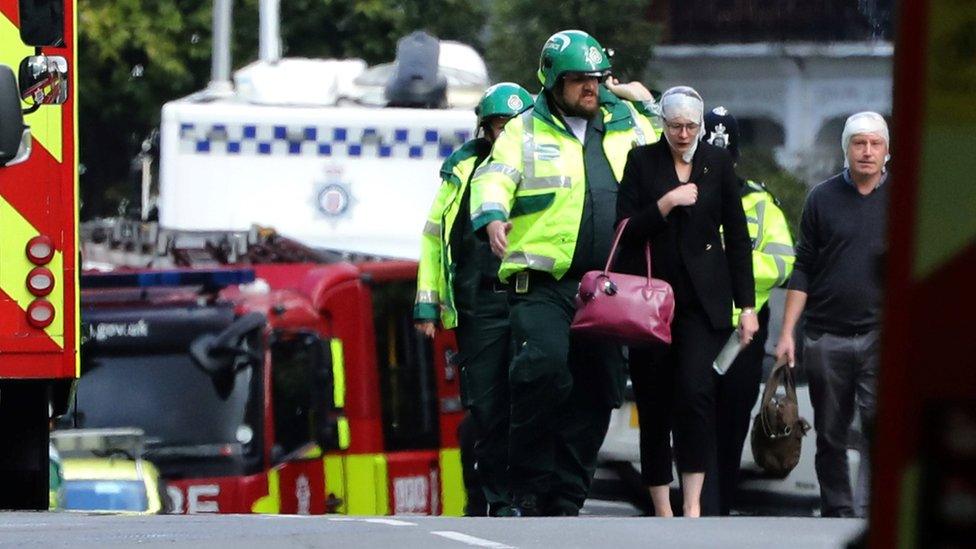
[838, 257]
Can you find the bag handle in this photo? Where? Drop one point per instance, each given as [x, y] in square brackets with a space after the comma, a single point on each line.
[616, 242]
[781, 374]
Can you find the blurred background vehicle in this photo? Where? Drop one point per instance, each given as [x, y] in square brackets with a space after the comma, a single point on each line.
[104, 470]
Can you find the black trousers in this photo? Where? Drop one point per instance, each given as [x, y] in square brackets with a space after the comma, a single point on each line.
[562, 391]
[738, 390]
[675, 390]
[484, 343]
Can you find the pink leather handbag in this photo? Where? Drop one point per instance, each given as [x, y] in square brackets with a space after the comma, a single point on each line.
[626, 309]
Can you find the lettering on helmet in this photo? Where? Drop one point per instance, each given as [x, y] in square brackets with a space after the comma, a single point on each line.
[558, 42]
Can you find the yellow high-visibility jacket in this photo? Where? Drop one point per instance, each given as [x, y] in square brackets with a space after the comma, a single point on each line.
[772, 244]
[536, 179]
[435, 273]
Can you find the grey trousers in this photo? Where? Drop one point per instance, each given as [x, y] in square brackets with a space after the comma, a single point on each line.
[842, 372]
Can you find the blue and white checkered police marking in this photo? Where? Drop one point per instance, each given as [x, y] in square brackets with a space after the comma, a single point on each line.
[322, 141]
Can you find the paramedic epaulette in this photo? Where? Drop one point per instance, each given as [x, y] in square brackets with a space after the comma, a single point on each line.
[278, 140]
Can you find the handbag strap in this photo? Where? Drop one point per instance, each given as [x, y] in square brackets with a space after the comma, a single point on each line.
[613, 250]
[781, 374]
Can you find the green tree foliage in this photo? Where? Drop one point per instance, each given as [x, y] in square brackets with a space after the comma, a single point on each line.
[134, 55]
[519, 28]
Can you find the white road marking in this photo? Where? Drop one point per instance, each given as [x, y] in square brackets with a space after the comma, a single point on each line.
[389, 522]
[471, 540]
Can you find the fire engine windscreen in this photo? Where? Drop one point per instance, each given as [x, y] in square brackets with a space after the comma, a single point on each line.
[137, 372]
[416, 81]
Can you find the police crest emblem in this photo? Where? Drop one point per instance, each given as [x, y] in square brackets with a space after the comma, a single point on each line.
[719, 137]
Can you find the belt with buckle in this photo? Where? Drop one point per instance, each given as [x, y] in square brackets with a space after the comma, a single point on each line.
[493, 285]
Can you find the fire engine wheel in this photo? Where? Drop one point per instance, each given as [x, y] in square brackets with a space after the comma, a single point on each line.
[24, 436]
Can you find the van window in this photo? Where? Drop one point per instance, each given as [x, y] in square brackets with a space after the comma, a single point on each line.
[406, 369]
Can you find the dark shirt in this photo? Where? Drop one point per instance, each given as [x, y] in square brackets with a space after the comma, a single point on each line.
[599, 205]
[842, 241]
[473, 260]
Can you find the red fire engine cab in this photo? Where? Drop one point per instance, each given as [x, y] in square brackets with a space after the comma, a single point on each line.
[297, 388]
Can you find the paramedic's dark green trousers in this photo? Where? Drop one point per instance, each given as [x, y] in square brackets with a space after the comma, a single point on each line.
[484, 342]
[562, 391]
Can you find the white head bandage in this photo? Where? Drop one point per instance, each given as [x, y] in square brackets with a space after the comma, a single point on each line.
[684, 102]
[864, 122]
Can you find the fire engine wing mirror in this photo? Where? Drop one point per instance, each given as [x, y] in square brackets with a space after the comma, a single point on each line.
[217, 354]
[44, 80]
[15, 137]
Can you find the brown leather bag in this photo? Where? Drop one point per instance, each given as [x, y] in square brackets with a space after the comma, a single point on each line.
[778, 429]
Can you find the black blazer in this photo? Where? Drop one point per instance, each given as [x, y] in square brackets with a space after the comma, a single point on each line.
[687, 246]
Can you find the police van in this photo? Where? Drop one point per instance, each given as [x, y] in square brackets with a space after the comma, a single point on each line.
[302, 145]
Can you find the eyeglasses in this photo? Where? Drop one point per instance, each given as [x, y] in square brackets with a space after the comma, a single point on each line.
[675, 127]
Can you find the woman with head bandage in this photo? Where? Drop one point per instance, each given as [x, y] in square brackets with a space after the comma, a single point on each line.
[682, 195]
[684, 120]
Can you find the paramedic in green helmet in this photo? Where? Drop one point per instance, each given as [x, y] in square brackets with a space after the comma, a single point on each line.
[458, 287]
[546, 203]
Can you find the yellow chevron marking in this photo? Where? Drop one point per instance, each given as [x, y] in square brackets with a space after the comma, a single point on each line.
[45, 122]
[14, 266]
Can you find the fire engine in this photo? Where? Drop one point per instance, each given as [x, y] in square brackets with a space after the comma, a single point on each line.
[298, 384]
[38, 197]
[299, 388]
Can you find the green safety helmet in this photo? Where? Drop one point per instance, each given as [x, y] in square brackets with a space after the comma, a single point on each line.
[572, 51]
[503, 99]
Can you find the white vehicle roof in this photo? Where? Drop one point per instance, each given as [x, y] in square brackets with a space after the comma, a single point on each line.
[346, 178]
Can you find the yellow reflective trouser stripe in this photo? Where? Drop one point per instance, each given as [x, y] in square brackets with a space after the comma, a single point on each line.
[338, 373]
[271, 503]
[453, 496]
[16, 230]
[779, 249]
[432, 229]
[533, 261]
[428, 296]
[498, 167]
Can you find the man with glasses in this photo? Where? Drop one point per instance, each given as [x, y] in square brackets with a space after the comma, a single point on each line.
[546, 203]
